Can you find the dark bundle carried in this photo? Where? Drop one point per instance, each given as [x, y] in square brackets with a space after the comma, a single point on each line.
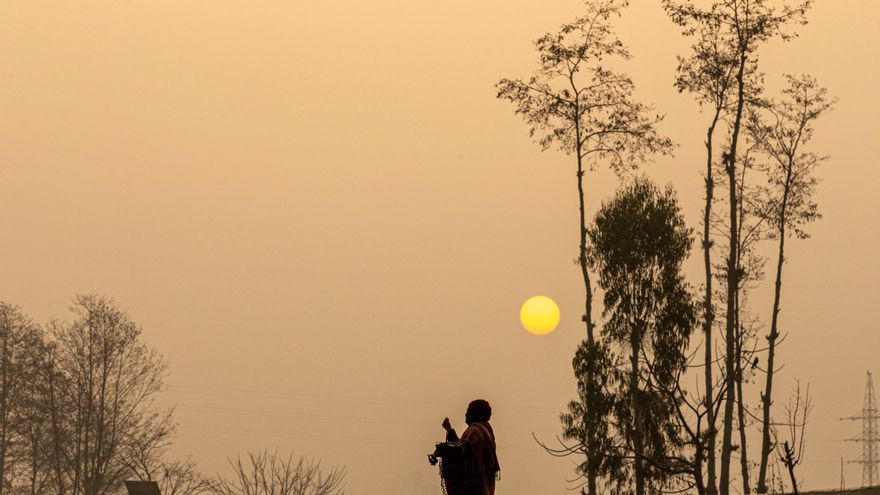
[448, 456]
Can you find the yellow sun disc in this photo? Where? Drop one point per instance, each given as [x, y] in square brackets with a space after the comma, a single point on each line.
[539, 315]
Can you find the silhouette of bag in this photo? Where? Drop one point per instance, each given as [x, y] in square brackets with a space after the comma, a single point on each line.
[452, 472]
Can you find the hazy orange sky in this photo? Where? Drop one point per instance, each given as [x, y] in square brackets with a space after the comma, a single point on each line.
[324, 219]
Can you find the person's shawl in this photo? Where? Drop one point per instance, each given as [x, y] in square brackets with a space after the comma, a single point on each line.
[480, 462]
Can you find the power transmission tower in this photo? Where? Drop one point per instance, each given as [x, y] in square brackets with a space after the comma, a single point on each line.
[869, 437]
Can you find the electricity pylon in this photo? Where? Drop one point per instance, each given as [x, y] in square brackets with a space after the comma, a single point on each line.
[870, 437]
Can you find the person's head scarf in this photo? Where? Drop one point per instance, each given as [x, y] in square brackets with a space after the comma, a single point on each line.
[479, 410]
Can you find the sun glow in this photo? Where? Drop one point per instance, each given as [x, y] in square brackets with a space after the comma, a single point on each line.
[539, 315]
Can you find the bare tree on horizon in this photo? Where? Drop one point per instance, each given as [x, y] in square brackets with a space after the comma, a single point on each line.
[102, 397]
[798, 409]
[267, 473]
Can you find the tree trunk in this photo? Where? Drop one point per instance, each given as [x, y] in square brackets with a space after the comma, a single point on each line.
[794, 487]
[56, 432]
[740, 341]
[585, 273]
[698, 468]
[767, 398]
[743, 449]
[789, 464]
[732, 282]
[638, 427]
[582, 255]
[591, 481]
[5, 361]
[709, 316]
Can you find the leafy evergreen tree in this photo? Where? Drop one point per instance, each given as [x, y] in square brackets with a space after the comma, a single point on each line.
[639, 242]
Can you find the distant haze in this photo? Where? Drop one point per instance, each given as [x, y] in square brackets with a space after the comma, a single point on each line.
[323, 218]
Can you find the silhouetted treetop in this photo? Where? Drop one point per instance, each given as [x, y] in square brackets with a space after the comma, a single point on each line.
[575, 103]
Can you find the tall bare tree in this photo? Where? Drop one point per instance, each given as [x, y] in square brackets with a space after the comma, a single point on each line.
[708, 74]
[747, 25]
[575, 103]
[750, 231]
[781, 129]
[102, 397]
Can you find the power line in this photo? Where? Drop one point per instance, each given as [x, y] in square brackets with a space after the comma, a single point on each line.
[320, 416]
[391, 442]
[224, 391]
[306, 436]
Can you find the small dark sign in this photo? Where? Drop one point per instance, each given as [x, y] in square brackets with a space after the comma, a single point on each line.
[142, 488]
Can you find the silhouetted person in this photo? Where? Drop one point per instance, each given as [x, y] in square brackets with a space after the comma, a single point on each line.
[479, 463]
